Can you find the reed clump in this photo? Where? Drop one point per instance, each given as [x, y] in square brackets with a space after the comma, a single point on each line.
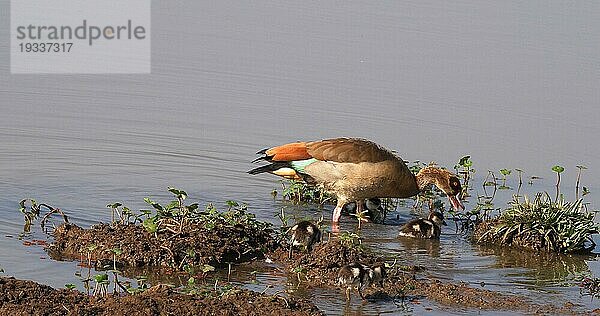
[542, 224]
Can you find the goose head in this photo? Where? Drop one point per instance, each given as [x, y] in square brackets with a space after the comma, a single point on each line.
[444, 180]
[437, 218]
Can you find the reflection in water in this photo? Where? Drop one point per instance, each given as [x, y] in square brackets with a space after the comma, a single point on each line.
[542, 269]
[412, 245]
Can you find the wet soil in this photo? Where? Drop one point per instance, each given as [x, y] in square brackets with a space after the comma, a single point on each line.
[240, 243]
[19, 297]
[195, 245]
[320, 267]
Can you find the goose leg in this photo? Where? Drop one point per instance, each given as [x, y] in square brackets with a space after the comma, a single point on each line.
[337, 213]
[348, 294]
[361, 207]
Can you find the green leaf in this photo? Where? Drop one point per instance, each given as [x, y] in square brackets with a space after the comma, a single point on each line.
[92, 247]
[150, 225]
[70, 286]
[505, 172]
[558, 169]
[207, 268]
[99, 278]
[179, 193]
[154, 204]
[172, 205]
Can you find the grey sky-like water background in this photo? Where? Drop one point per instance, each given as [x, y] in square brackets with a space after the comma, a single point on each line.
[513, 84]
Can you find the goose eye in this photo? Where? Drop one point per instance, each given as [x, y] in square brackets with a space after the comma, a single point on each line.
[455, 184]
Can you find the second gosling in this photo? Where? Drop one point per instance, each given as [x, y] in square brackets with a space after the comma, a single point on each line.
[359, 276]
[429, 228]
[304, 234]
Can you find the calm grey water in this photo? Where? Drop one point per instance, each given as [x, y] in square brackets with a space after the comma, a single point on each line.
[513, 84]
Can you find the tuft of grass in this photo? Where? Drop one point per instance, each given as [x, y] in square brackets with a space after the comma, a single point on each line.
[544, 224]
[299, 192]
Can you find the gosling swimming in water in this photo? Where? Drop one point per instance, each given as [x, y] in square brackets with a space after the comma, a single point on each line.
[304, 234]
[359, 276]
[429, 228]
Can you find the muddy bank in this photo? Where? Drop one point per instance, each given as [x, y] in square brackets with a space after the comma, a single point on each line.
[320, 267]
[197, 245]
[194, 245]
[19, 297]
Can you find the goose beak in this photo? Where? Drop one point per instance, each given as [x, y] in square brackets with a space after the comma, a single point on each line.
[456, 203]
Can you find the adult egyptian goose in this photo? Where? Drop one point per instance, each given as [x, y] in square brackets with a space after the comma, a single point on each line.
[429, 228]
[354, 169]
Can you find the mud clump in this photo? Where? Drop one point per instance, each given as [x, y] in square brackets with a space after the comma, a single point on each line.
[19, 297]
[195, 245]
[320, 267]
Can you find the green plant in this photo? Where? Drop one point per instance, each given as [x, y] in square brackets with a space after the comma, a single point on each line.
[349, 239]
[558, 170]
[520, 171]
[299, 271]
[464, 168]
[300, 192]
[362, 216]
[505, 173]
[101, 287]
[580, 168]
[34, 210]
[559, 226]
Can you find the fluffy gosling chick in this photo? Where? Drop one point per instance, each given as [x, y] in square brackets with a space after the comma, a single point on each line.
[372, 206]
[304, 234]
[359, 276]
[429, 228]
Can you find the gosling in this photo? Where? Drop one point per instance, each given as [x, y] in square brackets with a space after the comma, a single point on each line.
[359, 276]
[304, 234]
[372, 206]
[429, 228]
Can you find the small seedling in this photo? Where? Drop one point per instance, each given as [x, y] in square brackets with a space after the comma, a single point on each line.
[558, 169]
[102, 282]
[580, 168]
[505, 173]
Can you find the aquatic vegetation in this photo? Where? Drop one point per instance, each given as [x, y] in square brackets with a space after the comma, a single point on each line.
[174, 235]
[504, 173]
[349, 239]
[543, 224]
[464, 167]
[35, 210]
[580, 168]
[300, 192]
[558, 170]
